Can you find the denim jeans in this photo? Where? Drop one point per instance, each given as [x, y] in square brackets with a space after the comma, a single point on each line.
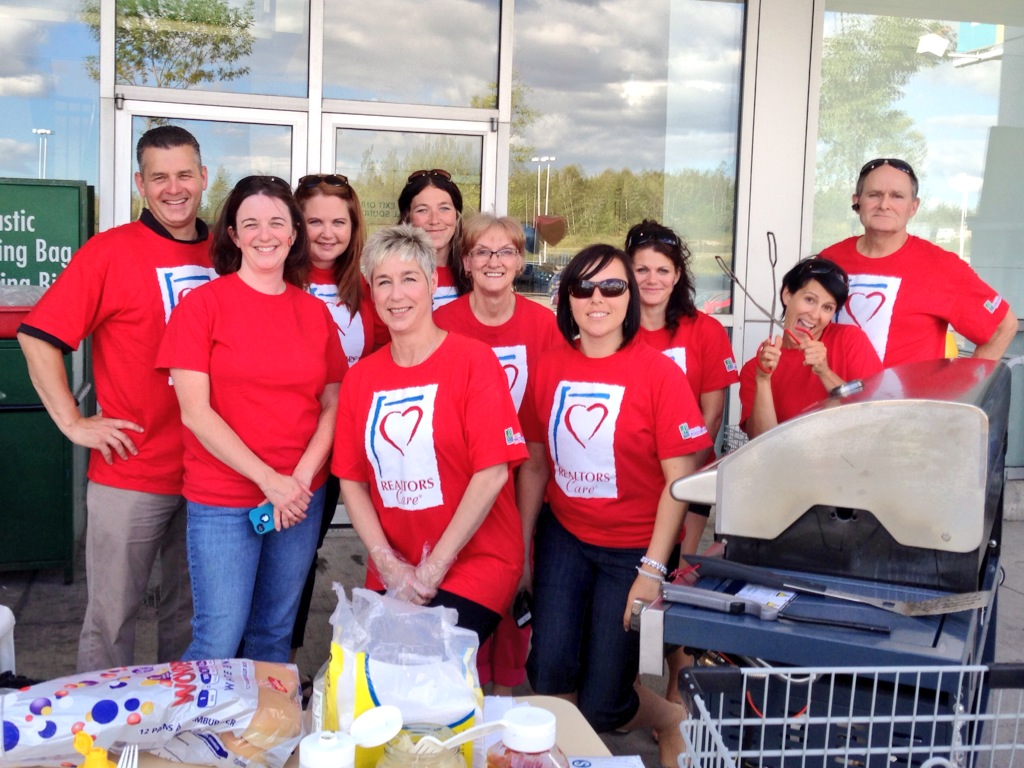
[579, 645]
[246, 586]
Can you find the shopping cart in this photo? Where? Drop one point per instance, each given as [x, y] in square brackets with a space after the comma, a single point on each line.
[855, 717]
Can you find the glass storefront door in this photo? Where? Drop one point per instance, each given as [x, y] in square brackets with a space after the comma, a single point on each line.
[234, 142]
[378, 154]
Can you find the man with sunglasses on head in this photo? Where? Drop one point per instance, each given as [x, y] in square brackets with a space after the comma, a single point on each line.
[120, 288]
[904, 291]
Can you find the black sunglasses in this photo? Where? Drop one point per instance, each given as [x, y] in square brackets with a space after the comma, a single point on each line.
[276, 181]
[610, 288]
[819, 267]
[432, 172]
[639, 238]
[330, 179]
[892, 162]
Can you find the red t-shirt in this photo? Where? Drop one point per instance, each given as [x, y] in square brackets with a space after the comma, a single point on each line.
[518, 343]
[607, 424]
[268, 359]
[417, 436]
[121, 287]
[906, 301]
[795, 386]
[360, 334]
[445, 291]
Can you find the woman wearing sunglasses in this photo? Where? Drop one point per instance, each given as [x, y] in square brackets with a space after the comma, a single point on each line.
[433, 202]
[610, 422]
[256, 366]
[811, 357]
[427, 436]
[333, 219]
[518, 330]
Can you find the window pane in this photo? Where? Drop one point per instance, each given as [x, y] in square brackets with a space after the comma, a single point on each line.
[641, 116]
[442, 52]
[50, 102]
[378, 163]
[945, 95]
[230, 152]
[237, 46]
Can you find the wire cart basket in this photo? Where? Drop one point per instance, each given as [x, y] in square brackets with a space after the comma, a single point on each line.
[855, 717]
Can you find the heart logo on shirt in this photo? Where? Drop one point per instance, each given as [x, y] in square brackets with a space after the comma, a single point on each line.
[862, 307]
[579, 418]
[401, 423]
[512, 372]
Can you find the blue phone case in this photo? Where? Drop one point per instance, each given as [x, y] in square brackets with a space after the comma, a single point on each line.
[262, 518]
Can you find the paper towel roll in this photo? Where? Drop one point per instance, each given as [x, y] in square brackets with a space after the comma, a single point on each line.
[327, 749]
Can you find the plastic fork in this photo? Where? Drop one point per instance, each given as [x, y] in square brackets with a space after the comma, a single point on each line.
[129, 757]
[428, 744]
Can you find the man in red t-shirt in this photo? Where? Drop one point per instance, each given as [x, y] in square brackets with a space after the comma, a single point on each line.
[904, 291]
[120, 288]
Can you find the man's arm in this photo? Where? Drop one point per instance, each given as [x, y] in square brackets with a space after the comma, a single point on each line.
[995, 347]
[46, 369]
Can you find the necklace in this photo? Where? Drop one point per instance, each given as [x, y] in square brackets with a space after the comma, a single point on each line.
[437, 336]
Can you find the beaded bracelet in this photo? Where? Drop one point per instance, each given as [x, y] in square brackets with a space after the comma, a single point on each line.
[652, 576]
[659, 567]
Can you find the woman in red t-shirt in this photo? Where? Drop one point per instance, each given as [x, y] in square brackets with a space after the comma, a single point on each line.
[671, 323]
[334, 225]
[518, 330]
[433, 202]
[610, 423]
[256, 366]
[811, 357]
[427, 437]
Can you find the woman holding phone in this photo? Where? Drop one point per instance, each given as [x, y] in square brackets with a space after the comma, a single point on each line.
[256, 366]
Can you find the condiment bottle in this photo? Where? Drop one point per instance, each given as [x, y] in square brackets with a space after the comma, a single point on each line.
[527, 741]
[400, 751]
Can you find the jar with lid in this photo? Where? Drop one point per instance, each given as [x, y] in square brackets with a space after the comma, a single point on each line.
[400, 751]
[527, 741]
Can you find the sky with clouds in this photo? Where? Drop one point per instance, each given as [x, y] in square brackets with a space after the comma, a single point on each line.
[616, 84]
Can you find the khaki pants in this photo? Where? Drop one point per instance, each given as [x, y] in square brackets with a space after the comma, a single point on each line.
[125, 531]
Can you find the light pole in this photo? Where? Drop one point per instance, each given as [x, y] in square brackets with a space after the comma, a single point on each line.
[42, 133]
[547, 191]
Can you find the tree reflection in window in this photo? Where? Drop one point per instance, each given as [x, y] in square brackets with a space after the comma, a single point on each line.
[176, 43]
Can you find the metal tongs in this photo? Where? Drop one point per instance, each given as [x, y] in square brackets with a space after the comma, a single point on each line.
[773, 261]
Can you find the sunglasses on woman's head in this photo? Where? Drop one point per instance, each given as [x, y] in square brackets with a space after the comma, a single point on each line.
[638, 239]
[266, 180]
[432, 172]
[816, 267]
[892, 162]
[610, 288]
[330, 179]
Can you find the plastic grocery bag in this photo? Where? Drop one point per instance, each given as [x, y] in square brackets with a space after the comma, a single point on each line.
[230, 712]
[385, 651]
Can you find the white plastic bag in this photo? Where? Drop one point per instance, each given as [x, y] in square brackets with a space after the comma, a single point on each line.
[385, 651]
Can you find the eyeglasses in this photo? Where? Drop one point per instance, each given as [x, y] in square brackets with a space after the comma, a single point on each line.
[892, 162]
[822, 267]
[637, 239]
[432, 172]
[484, 254]
[610, 288]
[330, 179]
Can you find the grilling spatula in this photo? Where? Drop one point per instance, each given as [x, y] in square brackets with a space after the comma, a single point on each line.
[727, 569]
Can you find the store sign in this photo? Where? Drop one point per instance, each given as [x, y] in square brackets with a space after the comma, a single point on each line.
[42, 223]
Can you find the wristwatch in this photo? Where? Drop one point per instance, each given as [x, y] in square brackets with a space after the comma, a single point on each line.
[847, 389]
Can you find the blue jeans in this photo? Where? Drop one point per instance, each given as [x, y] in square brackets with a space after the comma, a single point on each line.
[579, 645]
[246, 586]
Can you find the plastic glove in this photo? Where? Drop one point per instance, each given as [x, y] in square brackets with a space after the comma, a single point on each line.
[398, 576]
